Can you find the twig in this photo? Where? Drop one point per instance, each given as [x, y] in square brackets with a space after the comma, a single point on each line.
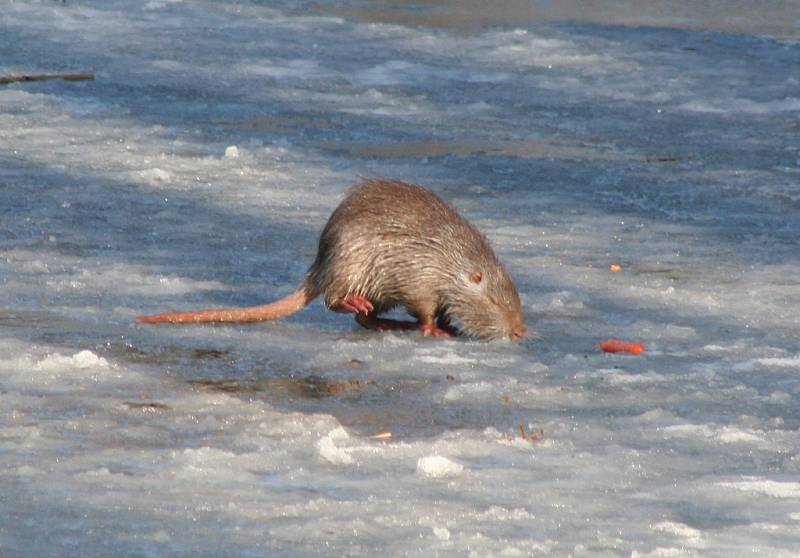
[42, 77]
[533, 436]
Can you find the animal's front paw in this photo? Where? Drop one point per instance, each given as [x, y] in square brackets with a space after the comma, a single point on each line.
[353, 304]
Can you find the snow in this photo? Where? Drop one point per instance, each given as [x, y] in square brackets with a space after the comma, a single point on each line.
[436, 466]
[328, 450]
[768, 487]
[197, 170]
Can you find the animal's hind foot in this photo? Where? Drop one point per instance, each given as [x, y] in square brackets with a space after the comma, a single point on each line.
[443, 324]
[353, 304]
[370, 321]
[431, 330]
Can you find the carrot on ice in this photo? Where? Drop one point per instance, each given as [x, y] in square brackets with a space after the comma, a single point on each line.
[617, 346]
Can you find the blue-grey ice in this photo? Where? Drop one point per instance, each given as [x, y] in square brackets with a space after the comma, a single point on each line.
[198, 168]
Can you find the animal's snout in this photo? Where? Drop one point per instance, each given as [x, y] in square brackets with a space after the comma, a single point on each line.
[518, 332]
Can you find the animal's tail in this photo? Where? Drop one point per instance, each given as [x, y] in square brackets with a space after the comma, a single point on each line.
[278, 309]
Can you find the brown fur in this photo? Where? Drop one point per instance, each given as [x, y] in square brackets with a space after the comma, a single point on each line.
[398, 245]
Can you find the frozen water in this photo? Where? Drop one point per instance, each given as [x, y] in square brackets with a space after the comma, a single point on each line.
[197, 170]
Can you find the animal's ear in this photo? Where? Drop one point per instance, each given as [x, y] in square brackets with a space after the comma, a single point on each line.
[476, 277]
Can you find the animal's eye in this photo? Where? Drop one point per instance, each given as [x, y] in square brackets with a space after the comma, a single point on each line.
[476, 277]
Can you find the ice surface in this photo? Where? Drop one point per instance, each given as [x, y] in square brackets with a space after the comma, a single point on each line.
[197, 170]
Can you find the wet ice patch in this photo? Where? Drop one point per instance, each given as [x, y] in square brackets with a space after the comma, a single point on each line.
[577, 154]
[126, 278]
[746, 106]
[389, 73]
[470, 391]
[380, 103]
[283, 70]
[396, 72]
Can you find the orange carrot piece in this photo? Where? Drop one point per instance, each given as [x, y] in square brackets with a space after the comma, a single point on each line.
[617, 346]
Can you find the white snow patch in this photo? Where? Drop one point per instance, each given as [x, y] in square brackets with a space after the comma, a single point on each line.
[96, 176]
[775, 489]
[213, 465]
[666, 552]
[329, 451]
[155, 176]
[620, 377]
[789, 362]
[733, 435]
[447, 358]
[79, 361]
[524, 48]
[692, 536]
[466, 390]
[160, 4]
[161, 536]
[499, 513]
[441, 533]
[292, 69]
[231, 152]
[564, 302]
[724, 434]
[436, 466]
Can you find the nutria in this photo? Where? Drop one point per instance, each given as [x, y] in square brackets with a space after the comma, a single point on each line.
[393, 244]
